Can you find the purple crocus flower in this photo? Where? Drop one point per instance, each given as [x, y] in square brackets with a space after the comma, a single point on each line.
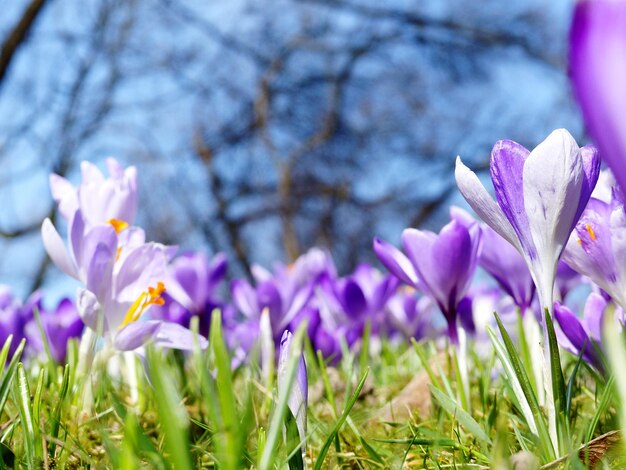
[413, 316]
[123, 279]
[502, 261]
[100, 199]
[598, 72]
[583, 333]
[597, 248]
[192, 284]
[11, 318]
[352, 301]
[539, 197]
[59, 326]
[298, 395]
[441, 265]
[281, 299]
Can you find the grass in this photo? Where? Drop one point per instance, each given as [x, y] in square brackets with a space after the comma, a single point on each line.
[192, 411]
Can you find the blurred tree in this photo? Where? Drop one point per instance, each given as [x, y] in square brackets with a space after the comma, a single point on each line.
[263, 128]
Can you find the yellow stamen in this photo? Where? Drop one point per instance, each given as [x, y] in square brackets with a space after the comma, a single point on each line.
[152, 296]
[119, 253]
[592, 234]
[118, 225]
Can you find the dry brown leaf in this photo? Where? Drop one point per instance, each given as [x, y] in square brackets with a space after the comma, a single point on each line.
[593, 452]
[415, 397]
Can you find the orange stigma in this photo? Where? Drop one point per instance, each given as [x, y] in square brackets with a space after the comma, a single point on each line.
[592, 234]
[152, 296]
[118, 224]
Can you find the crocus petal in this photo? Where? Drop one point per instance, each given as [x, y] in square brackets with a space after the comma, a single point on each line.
[268, 296]
[576, 334]
[483, 204]
[56, 249]
[174, 336]
[508, 268]
[507, 166]
[591, 173]
[88, 308]
[217, 269]
[298, 395]
[76, 230]
[593, 314]
[598, 69]
[136, 334]
[396, 262]
[298, 303]
[100, 270]
[353, 300]
[244, 298]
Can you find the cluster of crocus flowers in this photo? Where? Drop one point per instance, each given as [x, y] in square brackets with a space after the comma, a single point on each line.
[45, 330]
[122, 274]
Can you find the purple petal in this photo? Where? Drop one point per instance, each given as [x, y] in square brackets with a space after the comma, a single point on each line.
[298, 303]
[576, 334]
[507, 169]
[598, 69]
[298, 395]
[466, 315]
[76, 230]
[244, 298]
[593, 315]
[500, 259]
[396, 262]
[175, 336]
[591, 172]
[136, 334]
[217, 269]
[268, 296]
[353, 300]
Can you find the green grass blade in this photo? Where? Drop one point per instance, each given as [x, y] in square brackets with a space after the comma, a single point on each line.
[523, 390]
[29, 428]
[462, 416]
[9, 374]
[230, 458]
[601, 408]
[56, 414]
[172, 415]
[342, 419]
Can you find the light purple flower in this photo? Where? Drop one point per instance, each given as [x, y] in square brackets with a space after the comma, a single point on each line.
[597, 248]
[192, 284]
[444, 264]
[598, 72]
[583, 333]
[100, 199]
[281, 299]
[539, 197]
[123, 279]
[298, 396]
